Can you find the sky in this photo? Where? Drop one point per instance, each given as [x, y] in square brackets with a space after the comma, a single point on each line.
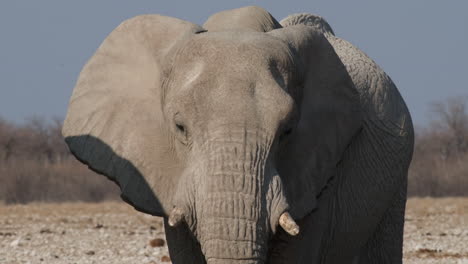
[421, 44]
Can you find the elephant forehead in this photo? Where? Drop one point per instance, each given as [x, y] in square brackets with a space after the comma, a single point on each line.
[246, 59]
[237, 51]
[239, 73]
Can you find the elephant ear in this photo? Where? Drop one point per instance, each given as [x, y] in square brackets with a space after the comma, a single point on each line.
[115, 123]
[252, 18]
[330, 116]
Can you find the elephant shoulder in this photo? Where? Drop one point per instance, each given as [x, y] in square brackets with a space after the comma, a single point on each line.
[379, 96]
[366, 75]
[383, 107]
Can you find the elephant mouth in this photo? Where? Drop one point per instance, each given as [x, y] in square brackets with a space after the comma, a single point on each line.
[176, 217]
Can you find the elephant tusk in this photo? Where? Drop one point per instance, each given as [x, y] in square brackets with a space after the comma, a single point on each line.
[288, 224]
[176, 217]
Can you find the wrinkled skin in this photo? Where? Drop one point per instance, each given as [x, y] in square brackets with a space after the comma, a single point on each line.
[232, 130]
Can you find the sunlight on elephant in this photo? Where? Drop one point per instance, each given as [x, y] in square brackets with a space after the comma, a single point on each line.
[257, 141]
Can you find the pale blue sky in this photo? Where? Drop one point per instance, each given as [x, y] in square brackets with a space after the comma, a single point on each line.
[421, 44]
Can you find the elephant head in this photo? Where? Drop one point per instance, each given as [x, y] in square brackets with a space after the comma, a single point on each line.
[228, 130]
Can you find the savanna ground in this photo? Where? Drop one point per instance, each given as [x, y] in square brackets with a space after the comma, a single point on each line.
[112, 232]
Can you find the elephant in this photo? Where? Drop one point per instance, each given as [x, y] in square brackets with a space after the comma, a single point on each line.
[257, 141]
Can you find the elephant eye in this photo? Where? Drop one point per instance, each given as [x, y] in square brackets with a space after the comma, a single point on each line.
[181, 128]
[179, 124]
[181, 133]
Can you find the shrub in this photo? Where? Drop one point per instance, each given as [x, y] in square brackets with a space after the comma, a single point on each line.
[35, 165]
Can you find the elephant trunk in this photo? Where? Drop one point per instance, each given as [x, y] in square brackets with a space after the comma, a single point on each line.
[235, 206]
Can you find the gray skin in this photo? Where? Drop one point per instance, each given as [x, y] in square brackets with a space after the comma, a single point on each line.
[232, 124]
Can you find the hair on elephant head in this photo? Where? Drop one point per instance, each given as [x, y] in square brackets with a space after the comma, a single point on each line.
[230, 131]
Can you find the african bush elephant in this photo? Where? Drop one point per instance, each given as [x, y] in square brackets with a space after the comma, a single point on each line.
[257, 141]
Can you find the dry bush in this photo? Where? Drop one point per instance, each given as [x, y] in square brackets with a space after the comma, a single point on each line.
[35, 165]
[440, 160]
[25, 181]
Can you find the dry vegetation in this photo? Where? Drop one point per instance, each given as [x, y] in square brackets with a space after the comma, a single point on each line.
[35, 165]
[440, 160]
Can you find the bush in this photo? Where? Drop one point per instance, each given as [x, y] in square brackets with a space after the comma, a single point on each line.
[25, 181]
[440, 160]
[35, 165]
